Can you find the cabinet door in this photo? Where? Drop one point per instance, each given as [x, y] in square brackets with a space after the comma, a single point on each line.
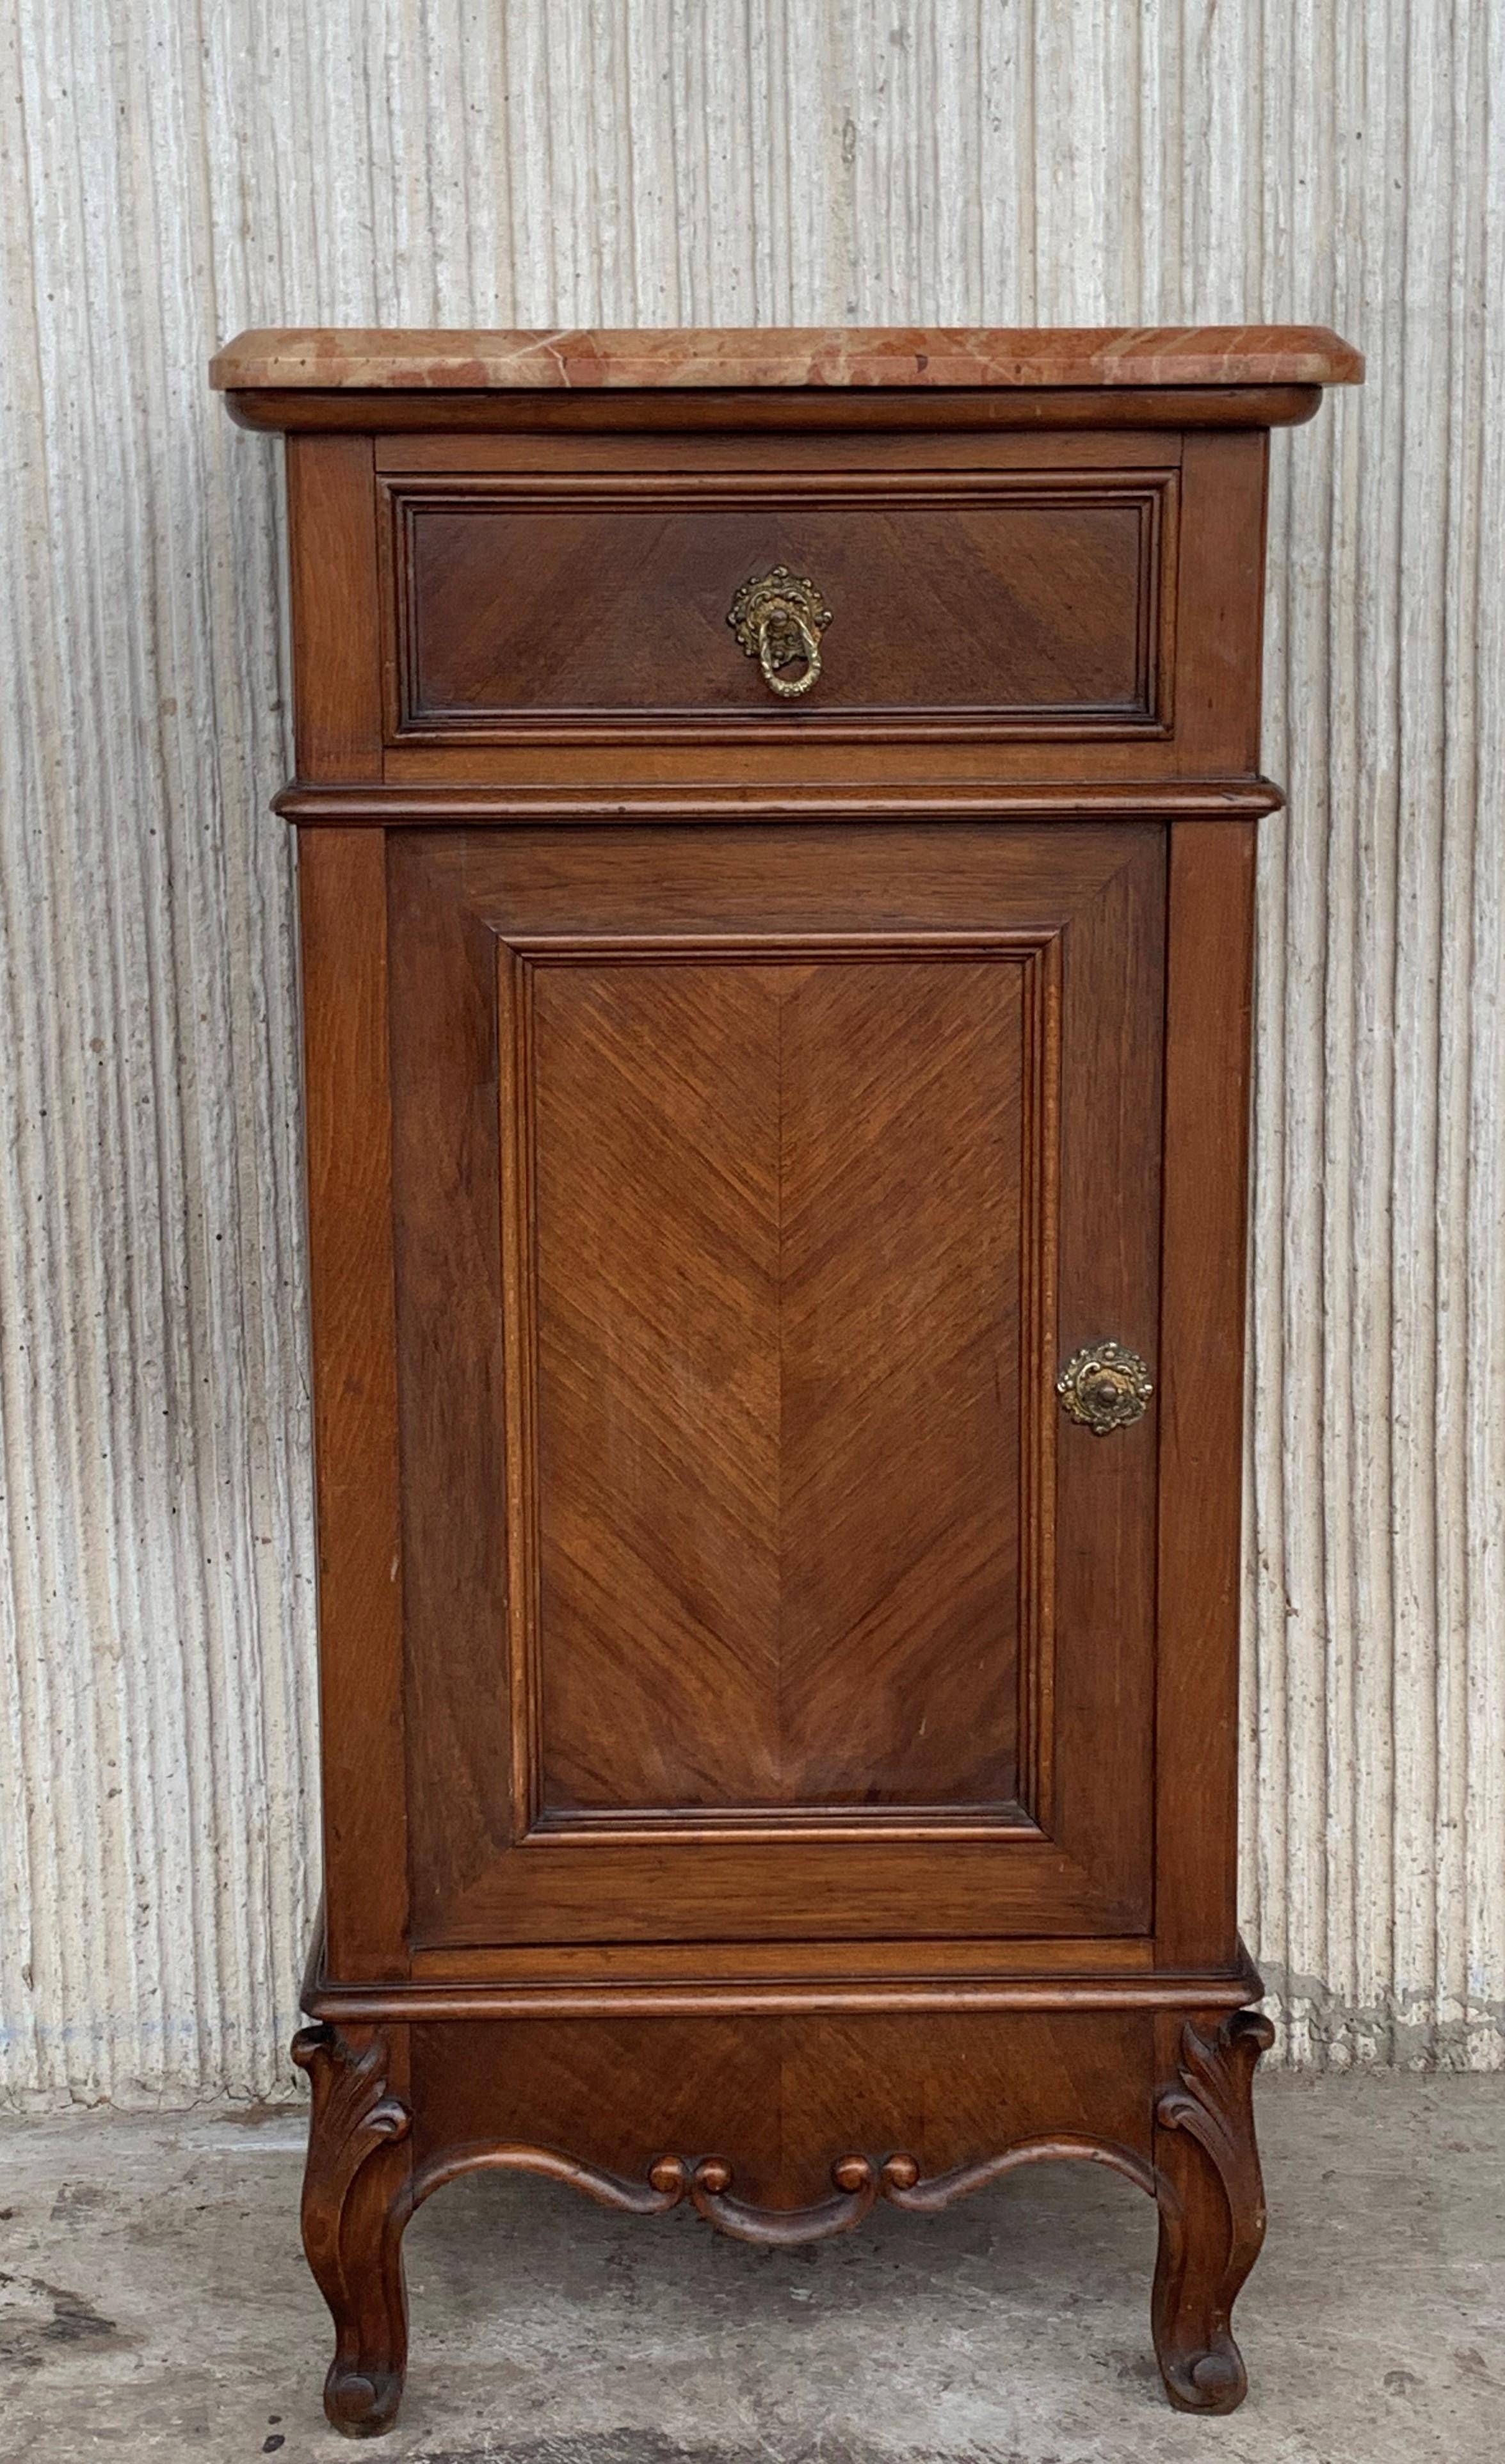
[751, 1185]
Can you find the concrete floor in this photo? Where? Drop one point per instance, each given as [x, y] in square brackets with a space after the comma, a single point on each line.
[154, 2305]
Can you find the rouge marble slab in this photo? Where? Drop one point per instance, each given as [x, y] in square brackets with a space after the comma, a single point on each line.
[368, 359]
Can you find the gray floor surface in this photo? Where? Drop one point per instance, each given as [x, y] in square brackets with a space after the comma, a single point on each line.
[154, 2305]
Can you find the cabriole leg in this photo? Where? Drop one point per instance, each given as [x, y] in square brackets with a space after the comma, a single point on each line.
[356, 2201]
[1211, 2207]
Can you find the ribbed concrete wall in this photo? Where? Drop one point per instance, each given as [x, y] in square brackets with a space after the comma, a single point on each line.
[171, 173]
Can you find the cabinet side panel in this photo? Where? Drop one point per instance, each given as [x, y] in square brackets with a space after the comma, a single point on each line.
[1202, 1388]
[1221, 603]
[337, 673]
[342, 896]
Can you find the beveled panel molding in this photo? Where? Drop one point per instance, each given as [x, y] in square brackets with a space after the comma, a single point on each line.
[1025, 1812]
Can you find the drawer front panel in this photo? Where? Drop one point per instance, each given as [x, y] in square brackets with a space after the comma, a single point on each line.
[1026, 605]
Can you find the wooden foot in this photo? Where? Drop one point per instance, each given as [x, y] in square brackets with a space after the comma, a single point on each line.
[1212, 2211]
[356, 2201]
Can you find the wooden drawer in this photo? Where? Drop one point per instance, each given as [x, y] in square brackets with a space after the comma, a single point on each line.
[590, 607]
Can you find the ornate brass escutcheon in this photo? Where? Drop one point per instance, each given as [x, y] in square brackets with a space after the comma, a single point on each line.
[779, 620]
[1105, 1386]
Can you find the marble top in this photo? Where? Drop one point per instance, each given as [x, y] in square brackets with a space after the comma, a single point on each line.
[366, 357]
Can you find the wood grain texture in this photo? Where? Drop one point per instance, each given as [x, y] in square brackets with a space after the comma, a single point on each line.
[787, 766]
[780, 454]
[782, 2100]
[409, 806]
[946, 2105]
[686, 1691]
[1209, 958]
[793, 1961]
[1030, 603]
[454, 1391]
[303, 411]
[778, 1297]
[1220, 600]
[357, 2197]
[342, 894]
[335, 611]
[1211, 2203]
[730, 1995]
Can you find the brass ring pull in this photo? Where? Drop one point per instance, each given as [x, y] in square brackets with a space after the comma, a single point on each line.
[778, 620]
[776, 650]
[1105, 1386]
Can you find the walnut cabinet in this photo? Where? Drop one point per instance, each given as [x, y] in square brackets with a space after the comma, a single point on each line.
[776, 820]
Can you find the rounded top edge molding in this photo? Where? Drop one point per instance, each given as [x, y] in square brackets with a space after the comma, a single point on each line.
[468, 359]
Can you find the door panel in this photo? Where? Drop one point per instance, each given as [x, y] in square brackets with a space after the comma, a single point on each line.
[776, 1260]
[750, 1182]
